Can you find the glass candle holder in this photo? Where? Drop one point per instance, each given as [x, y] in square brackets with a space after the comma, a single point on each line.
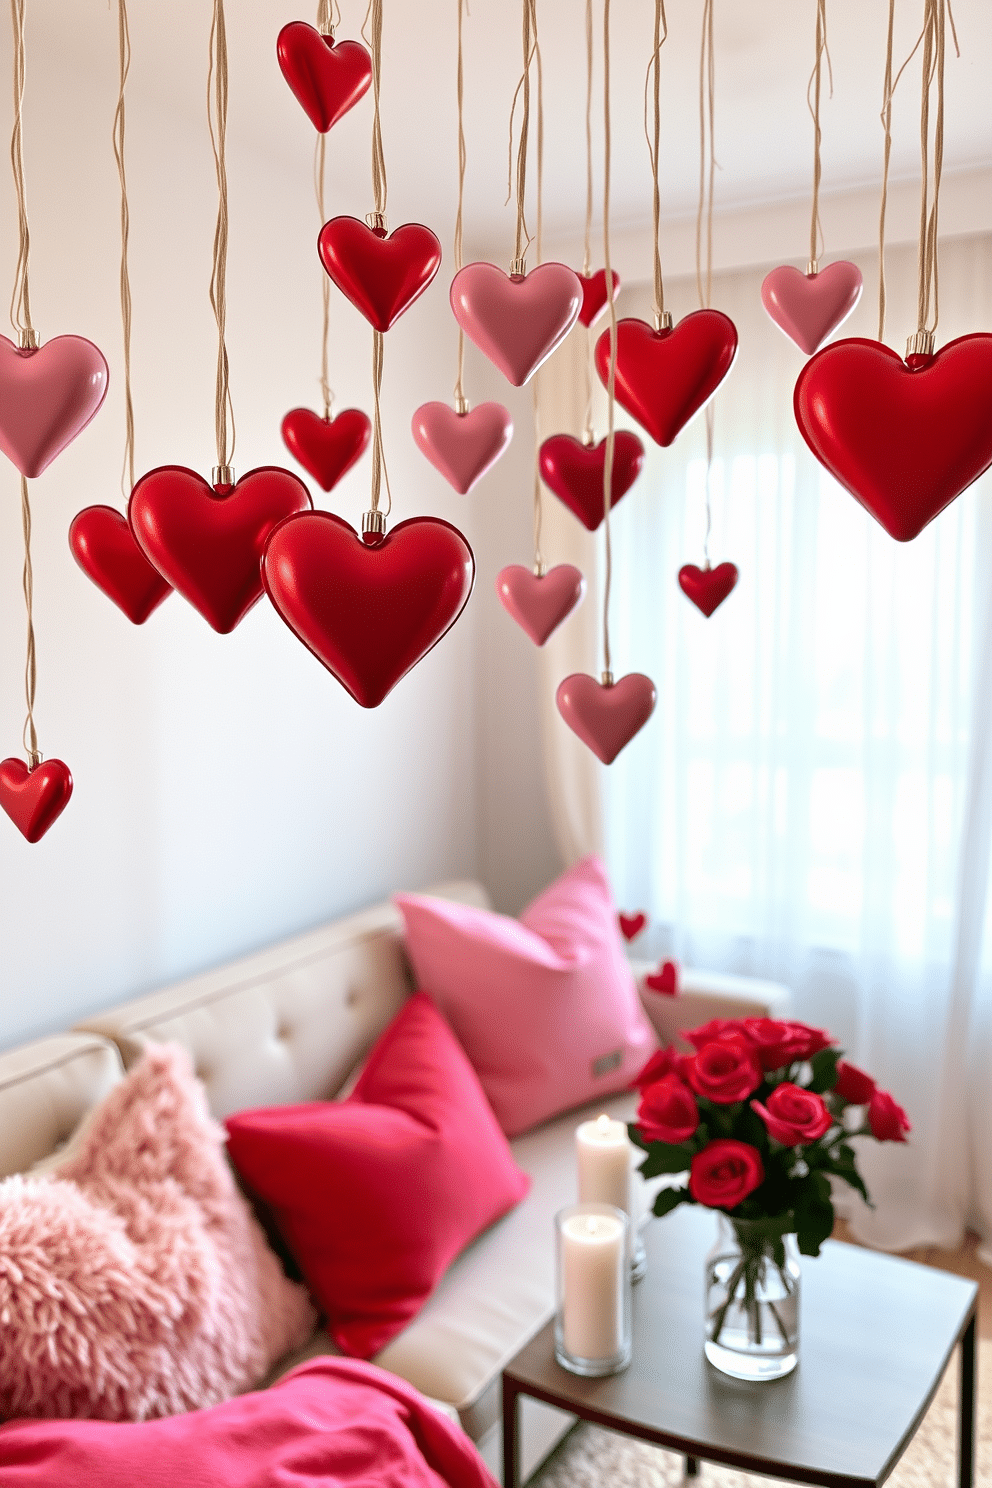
[605, 1160]
[592, 1312]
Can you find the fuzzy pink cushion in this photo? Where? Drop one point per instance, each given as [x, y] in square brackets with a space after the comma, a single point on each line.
[545, 1007]
[134, 1279]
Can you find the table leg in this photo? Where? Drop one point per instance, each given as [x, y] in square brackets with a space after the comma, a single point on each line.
[692, 1467]
[511, 1441]
[966, 1409]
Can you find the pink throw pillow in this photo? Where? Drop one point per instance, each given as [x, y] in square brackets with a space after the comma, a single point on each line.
[378, 1193]
[545, 1007]
[134, 1279]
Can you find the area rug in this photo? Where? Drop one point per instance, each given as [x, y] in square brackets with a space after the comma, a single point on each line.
[591, 1457]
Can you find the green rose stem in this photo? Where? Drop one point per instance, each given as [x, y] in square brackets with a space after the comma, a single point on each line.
[749, 1268]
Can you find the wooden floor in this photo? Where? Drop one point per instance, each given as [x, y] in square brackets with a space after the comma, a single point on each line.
[963, 1262]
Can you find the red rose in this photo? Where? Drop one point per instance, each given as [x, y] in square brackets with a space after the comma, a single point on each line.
[794, 1116]
[724, 1173]
[716, 1028]
[853, 1084]
[667, 1061]
[888, 1122]
[780, 1043]
[668, 1111]
[726, 1070]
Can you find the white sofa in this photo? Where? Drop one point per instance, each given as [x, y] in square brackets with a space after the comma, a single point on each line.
[290, 1024]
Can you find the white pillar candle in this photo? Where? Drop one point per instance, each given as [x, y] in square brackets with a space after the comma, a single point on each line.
[594, 1266]
[603, 1150]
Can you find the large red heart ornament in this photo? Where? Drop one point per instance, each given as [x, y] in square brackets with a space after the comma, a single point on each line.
[326, 447]
[540, 602]
[34, 799]
[381, 275]
[462, 446]
[810, 307]
[594, 294]
[905, 438]
[574, 472]
[632, 925]
[368, 613]
[327, 79]
[208, 541]
[663, 378]
[606, 716]
[516, 320]
[707, 587]
[106, 550]
[47, 396]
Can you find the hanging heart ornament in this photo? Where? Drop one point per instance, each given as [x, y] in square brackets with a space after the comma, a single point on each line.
[707, 587]
[810, 307]
[105, 548]
[462, 446]
[663, 378]
[594, 295]
[632, 925]
[327, 78]
[368, 612]
[34, 799]
[48, 394]
[381, 274]
[208, 541]
[574, 472]
[540, 602]
[606, 716]
[903, 437]
[326, 447]
[516, 320]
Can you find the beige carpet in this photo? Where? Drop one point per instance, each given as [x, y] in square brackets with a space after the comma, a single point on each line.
[593, 1458]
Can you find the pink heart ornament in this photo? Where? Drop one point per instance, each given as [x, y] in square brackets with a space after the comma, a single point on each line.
[540, 602]
[47, 396]
[516, 320]
[810, 307]
[462, 446]
[606, 717]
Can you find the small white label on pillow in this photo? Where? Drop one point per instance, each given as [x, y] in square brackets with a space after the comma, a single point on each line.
[606, 1063]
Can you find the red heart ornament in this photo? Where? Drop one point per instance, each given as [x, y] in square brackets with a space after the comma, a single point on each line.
[368, 613]
[664, 980]
[574, 472]
[34, 799]
[208, 541]
[326, 447]
[540, 602]
[516, 320]
[810, 307]
[327, 79]
[664, 378]
[905, 438]
[594, 294]
[47, 396]
[106, 550]
[462, 446]
[381, 275]
[606, 716]
[707, 587]
[632, 925]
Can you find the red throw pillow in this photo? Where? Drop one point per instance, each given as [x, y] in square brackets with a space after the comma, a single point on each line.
[378, 1193]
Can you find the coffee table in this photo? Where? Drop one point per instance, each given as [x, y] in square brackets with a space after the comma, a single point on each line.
[876, 1334]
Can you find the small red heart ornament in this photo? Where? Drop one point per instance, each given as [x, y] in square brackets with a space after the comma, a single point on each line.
[663, 378]
[606, 716]
[574, 472]
[540, 602]
[47, 396]
[594, 294]
[34, 799]
[326, 447]
[327, 78]
[208, 541]
[516, 320]
[707, 587]
[810, 307]
[903, 437]
[368, 613]
[106, 550]
[632, 925]
[462, 446]
[664, 980]
[382, 275]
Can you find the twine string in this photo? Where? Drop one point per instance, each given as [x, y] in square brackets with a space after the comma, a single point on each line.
[29, 735]
[936, 15]
[887, 91]
[124, 48]
[462, 162]
[328, 16]
[380, 474]
[217, 91]
[319, 163]
[379, 184]
[20, 302]
[611, 380]
[586, 261]
[653, 138]
[522, 237]
[813, 104]
[707, 156]
[535, 52]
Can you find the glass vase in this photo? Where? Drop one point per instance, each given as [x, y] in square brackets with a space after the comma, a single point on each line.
[751, 1285]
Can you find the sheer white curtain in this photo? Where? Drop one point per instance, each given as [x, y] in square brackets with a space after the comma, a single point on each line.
[813, 797]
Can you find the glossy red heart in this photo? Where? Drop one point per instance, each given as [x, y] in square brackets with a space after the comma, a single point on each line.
[664, 980]
[707, 587]
[516, 320]
[574, 472]
[810, 307]
[632, 925]
[208, 541]
[594, 294]
[539, 603]
[462, 446]
[105, 548]
[664, 378]
[34, 799]
[47, 396]
[606, 718]
[327, 77]
[368, 613]
[326, 448]
[381, 275]
[905, 438]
